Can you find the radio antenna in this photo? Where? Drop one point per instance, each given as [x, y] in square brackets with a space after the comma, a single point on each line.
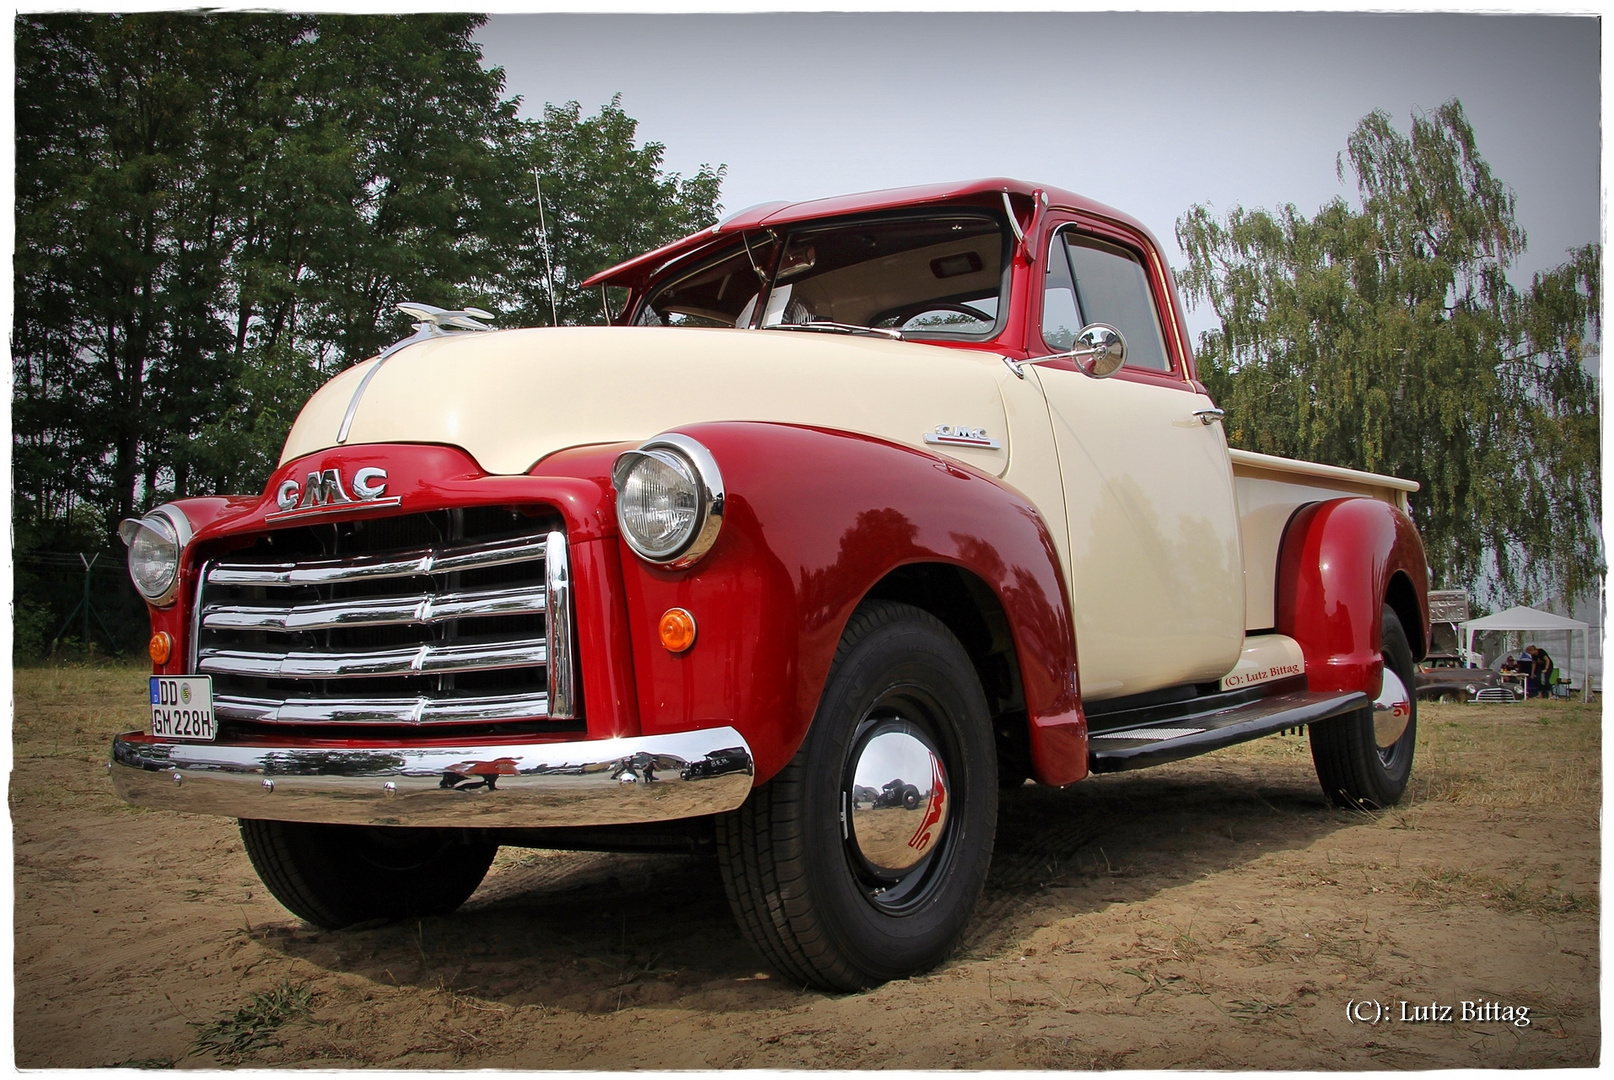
[543, 241]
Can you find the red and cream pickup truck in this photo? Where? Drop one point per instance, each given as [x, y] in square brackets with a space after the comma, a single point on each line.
[859, 510]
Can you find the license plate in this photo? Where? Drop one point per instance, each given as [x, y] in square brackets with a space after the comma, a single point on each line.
[182, 708]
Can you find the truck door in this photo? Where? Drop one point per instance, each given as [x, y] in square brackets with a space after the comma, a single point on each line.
[1155, 570]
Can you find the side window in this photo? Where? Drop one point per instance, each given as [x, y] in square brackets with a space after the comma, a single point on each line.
[722, 292]
[1093, 281]
[1061, 320]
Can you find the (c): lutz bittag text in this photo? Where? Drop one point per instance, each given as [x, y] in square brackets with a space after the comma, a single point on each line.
[1368, 1011]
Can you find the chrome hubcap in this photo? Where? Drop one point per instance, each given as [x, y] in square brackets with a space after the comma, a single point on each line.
[1392, 712]
[896, 806]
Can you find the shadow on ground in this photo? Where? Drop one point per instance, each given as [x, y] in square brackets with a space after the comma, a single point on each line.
[652, 929]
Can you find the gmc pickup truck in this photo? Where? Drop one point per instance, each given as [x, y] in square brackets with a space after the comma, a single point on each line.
[859, 510]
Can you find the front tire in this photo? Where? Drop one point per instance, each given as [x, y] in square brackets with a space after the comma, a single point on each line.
[834, 890]
[337, 875]
[1364, 759]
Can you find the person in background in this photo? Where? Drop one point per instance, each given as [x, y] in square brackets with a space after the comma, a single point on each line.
[1540, 682]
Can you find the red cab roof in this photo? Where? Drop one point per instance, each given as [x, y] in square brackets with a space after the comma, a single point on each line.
[766, 215]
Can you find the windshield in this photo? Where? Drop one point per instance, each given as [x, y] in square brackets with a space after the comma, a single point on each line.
[925, 275]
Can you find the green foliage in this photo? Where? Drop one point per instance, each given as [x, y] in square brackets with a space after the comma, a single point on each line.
[32, 624]
[606, 200]
[218, 212]
[1387, 337]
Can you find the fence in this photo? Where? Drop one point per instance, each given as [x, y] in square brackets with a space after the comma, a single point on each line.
[75, 603]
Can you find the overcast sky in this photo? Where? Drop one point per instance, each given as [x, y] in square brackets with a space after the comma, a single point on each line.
[1147, 112]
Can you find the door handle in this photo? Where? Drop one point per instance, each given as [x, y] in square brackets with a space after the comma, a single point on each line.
[1209, 416]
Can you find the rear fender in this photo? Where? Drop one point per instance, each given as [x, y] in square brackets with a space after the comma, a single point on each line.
[814, 520]
[1340, 562]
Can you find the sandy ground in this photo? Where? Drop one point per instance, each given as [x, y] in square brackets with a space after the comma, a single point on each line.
[1210, 914]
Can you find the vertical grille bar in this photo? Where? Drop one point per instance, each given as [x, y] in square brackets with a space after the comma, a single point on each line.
[558, 624]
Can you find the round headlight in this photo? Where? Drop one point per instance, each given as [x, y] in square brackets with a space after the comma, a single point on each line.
[669, 500]
[155, 543]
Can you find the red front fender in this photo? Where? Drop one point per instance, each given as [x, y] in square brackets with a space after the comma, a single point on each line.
[814, 520]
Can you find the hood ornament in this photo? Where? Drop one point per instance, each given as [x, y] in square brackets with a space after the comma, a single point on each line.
[432, 322]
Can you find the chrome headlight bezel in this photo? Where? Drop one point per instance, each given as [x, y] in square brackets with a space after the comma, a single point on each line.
[168, 527]
[693, 462]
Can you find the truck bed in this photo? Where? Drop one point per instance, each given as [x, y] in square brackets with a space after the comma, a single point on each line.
[1269, 490]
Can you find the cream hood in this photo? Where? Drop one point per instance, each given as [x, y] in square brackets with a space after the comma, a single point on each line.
[512, 397]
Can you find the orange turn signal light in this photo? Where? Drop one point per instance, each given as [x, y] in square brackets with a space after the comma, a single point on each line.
[677, 629]
[161, 647]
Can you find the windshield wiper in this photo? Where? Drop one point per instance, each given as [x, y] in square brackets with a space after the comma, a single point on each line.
[838, 328]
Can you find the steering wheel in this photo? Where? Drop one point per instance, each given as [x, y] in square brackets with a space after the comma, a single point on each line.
[902, 316]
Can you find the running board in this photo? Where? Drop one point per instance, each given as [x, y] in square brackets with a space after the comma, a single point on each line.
[1141, 745]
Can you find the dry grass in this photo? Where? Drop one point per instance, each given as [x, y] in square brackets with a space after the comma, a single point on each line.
[1444, 887]
[1507, 757]
[1532, 755]
[67, 716]
[76, 708]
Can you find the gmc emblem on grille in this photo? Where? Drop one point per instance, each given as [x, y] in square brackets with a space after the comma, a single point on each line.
[323, 491]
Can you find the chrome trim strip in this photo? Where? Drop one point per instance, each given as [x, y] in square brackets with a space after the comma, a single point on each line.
[334, 508]
[558, 627]
[421, 609]
[591, 782]
[385, 710]
[368, 567]
[1014, 222]
[411, 660]
[196, 617]
[435, 322]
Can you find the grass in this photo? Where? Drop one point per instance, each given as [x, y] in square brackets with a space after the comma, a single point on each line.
[1444, 887]
[63, 719]
[1544, 754]
[1534, 755]
[251, 1027]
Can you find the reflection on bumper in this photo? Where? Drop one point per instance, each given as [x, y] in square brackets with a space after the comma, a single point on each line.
[597, 782]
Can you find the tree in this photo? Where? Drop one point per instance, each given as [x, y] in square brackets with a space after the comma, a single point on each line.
[217, 212]
[606, 200]
[1387, 337]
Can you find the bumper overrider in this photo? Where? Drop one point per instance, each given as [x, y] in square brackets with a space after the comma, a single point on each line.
[499, 785]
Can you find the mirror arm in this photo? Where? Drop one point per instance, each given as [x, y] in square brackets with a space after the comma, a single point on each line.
[1105, 340]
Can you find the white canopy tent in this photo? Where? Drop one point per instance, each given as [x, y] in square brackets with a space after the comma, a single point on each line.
[1532, 621]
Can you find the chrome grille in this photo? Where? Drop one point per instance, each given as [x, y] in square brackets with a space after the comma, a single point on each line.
[347, 624]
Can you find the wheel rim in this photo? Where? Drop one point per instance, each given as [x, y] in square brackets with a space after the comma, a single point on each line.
[1392, 712]
[896, 806]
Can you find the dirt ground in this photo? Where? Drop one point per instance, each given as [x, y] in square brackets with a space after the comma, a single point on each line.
[1213, 914]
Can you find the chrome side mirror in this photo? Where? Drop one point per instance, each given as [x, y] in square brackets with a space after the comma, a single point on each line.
[1100, 350]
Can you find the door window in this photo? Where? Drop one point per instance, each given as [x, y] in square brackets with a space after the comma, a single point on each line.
[1088, 281]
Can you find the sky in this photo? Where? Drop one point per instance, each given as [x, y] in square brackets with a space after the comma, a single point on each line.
[1148, 112]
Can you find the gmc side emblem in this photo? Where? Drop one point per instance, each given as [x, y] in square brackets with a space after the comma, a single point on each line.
[960, 435]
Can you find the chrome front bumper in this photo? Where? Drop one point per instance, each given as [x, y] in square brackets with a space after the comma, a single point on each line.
[596, 782]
